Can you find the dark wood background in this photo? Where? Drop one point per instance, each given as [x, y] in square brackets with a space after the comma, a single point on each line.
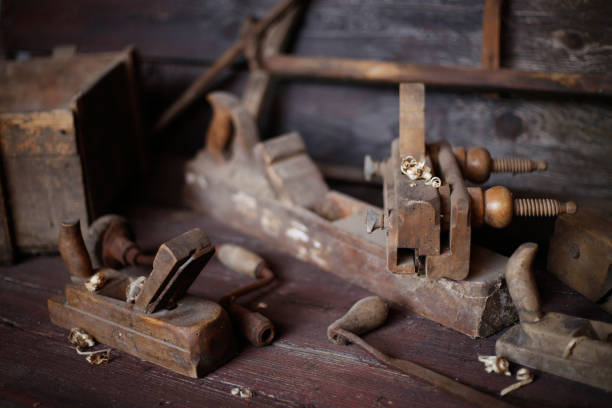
[342, 122]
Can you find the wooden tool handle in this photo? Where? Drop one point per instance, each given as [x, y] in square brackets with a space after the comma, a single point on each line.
[365, 315]
[73, 251]
[522, 284]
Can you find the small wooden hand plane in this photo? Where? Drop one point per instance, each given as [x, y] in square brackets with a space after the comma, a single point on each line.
[186, 334]
[567, 346]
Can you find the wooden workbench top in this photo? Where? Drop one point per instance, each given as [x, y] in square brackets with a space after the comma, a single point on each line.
[38, 366]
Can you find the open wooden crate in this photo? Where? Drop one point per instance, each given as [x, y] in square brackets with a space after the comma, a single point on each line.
[71, 141]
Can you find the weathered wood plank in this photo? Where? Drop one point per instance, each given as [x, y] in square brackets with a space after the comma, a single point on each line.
[569, 36]
[300, 369]
[566, 36]
[572, 137]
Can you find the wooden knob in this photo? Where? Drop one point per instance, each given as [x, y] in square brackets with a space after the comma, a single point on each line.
[478, 164]
[498, 207]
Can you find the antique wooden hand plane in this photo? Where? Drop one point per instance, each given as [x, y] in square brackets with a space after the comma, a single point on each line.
[567, 346]
[187, 334]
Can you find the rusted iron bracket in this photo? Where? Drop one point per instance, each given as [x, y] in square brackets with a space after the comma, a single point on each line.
[264, 193]
[571, 347]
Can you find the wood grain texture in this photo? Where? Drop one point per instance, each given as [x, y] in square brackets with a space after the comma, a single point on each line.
[301, 368]
[340, 123]
[572, 137]
[491, 32]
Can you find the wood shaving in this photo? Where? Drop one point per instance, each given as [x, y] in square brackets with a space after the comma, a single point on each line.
[95, 282]
[524, 376]
[134, 289]
[96, 357]
[418, 170]
[435, 182]
[242, 392]
[79, 338]
[494, 364]
[246, 393]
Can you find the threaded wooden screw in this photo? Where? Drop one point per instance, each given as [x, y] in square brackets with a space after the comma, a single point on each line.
[516, 165]
[496, 206]
[542, 207]
[477, 164]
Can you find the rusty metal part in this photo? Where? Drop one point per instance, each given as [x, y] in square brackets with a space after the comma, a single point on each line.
[73, 251]
[331, 235]
[580, 255]
[193, 338]
[477, 164]
[468, 78]
[177, 264]
[197, 88]
[496, 206]
[370, 313]
[255, 327]
[567, 346]
[110, 243]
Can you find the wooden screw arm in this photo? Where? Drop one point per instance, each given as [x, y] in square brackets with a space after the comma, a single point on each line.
[197, 88]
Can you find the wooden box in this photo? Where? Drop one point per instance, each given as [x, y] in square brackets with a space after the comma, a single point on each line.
[71, 142]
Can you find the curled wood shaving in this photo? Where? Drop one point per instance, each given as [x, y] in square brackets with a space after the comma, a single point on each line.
[95, 282]
[435, 182]
[494, 364]
[524, 376]
[95, 357]
[418, 170]
[242, 392]
[79, 338]
[134, 289]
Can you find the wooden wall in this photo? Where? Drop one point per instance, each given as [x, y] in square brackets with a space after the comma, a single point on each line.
[342, 122]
